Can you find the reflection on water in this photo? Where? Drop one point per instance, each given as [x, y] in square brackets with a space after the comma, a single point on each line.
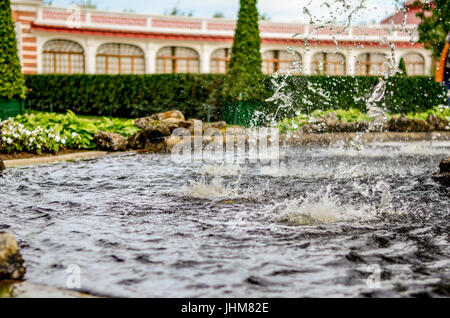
[140, 225]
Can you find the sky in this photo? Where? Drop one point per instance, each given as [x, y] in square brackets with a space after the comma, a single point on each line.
[276, 10]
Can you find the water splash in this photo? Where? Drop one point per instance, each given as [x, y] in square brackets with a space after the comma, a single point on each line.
[223, 170]
[326, 207]
[214, 189]
[378, 115]
[323, 208]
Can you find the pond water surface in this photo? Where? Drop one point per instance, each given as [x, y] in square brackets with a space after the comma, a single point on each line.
[322, 224]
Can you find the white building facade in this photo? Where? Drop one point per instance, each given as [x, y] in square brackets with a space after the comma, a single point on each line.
[83, 41]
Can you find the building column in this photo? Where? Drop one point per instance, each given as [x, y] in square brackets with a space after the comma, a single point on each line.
[90, 57]
[150, 58]
[429, 65]
[351, 61]
[205, 58]
[307, 60]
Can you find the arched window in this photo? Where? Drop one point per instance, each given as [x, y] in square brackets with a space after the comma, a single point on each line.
[220, 61]
[415, 64]
[62, 57]
[116, 58]
[177, 60]
[328, 64]
[276, 60]
[371, 64]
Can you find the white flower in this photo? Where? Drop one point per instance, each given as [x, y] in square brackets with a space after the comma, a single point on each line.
[9, 140]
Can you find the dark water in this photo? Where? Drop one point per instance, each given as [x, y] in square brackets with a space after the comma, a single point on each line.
[136, 227]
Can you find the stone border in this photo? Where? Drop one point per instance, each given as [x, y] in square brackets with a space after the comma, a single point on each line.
[53, 159]
[296, 139]
[31, 290]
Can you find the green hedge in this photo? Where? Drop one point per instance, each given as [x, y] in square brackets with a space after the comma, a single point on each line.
[403, 94]
[128, 96]
[199, 95]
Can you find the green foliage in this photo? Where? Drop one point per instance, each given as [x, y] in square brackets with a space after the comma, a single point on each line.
[128, 96]
[131, 96]
[309, 93]
[402, 67]
[352, 115]
[443, 112]
[51, 132]
[245, 75]
[345, 115]
[12, 84]
[435, 25]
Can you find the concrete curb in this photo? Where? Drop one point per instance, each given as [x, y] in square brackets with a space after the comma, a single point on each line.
[30, 290]
[296, 139]
[52, 159]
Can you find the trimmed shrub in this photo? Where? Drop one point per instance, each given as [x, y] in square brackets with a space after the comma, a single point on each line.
[133, 96]
[12, 84]
[244, 78]
[403, 94]
[127, 96]
[402, 67]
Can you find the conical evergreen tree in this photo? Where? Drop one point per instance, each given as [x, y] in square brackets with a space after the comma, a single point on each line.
[12, 83]
[402, 67]
[245, 72]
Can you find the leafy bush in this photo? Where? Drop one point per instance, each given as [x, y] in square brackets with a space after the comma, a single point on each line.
[50, 132]
[403, 94]
[12, 84]
[15, 137]
[352, 115]
[133, 96]
[443, 112]
[127, 96]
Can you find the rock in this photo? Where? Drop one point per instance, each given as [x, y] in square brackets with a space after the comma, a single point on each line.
[146, 121]
[158, 129]
[170, 114]
[221, 125]
[332, 122]
[157, 145]
[172, 141]
[110, 141]
[143, 122]
[445, 165]
[362, 126]
[438, 123]
[443, 176]
[2, 165]
[11, 262]
[174, 123]
[155, 133]
[137, 141]
[405, 124]
[140, 141]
